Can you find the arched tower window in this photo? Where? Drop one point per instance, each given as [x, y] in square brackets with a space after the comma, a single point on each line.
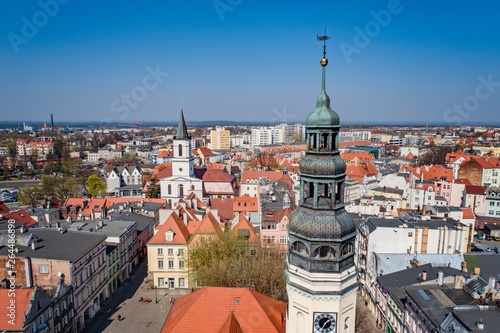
[324, 252]
[181, 190]
[169, 189]
[348, 248]
[180, 149]
[300, 247]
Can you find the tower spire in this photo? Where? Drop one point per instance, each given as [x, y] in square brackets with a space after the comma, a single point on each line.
[324, 60]
[182, 128]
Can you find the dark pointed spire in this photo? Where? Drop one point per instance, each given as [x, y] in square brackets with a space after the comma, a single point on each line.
[182, 133]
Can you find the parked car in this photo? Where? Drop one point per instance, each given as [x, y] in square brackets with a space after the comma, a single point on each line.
[479, 236]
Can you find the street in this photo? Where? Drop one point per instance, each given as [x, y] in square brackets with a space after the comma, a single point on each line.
[136, 316]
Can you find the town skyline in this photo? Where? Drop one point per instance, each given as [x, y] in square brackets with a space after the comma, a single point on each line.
[241, 61]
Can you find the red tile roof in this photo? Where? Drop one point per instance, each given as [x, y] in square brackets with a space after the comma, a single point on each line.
[94, 204]
[22, 298]
[205, 152]
[4, 207]
[224, 207]
[21, 216]
[365, 157]
[163, 170]
[174, 223]
[474, 189]
[211, 307]
[217, 175]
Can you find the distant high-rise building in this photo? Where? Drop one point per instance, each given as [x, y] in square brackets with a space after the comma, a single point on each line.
[220, 138]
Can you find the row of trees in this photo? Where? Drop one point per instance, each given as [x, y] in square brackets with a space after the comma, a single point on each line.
[61, 188]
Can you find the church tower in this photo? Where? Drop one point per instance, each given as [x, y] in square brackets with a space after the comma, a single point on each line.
[320, 273]
[183, 160]
[183, 180]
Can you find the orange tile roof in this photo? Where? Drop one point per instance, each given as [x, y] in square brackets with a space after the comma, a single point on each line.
[174, 223]
[355, 143]
[244, 224]
[210, 308]
[111, 201]
[361, 170]
[245, 203]
[468, 213]
[163, 170]
[75, 201]
[205, 152]
[231, 325]
[209, 225]
[365, 157]
[164, 153]
[23, 299]
[21, 216]
[254, 175]
[95, 204]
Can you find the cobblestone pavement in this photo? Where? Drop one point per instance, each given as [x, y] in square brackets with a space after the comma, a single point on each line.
[136, 316]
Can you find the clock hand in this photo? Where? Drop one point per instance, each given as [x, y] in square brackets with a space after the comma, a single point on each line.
[326, 322]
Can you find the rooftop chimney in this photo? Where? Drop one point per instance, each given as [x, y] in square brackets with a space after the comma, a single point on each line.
[424, 275]
[33, 244]
[480, 324]
[463, 265]
[440, 278]
[492, 282]
[459, 281]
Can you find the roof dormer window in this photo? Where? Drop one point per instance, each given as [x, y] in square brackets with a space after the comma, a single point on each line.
[169, 235]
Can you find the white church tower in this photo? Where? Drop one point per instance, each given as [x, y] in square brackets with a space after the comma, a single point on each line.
[320, 273]
[183, 180]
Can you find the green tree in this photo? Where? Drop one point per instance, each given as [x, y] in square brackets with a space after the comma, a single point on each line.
[153, 188]
[95, 186]
[232, 262]
[30, 195]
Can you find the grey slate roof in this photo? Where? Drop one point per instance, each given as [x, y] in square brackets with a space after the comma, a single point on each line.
[375, 222]
[143, 222]
[52, 244]
[392, 262]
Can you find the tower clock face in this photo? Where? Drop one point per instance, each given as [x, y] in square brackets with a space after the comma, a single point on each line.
[325, 322]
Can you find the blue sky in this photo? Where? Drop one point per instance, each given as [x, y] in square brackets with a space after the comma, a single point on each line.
[248, 60]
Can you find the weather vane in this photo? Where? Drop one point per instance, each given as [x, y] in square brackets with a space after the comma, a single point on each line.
[323, 38]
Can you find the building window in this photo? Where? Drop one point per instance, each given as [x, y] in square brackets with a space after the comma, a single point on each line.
[161, 282]
[181, 264]
[492, 203]
[300, 248]
[169, 189]
[180, 252]
[44, 269]
[160, 263]
[180, 149]
[170, 264]
[170, 236]
[181, 190]
[170, 252]
[160, 251]
[181, 282]
[490, 212]
[283, 240]
[497, 213]
[410, 234]
[268, 239]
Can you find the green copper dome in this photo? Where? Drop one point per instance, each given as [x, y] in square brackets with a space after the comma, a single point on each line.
[323, 115]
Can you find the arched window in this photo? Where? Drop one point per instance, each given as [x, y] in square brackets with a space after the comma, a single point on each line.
[300, 248]
[181, 190]
[180, 149]
[169, 189]
[324, 252]
[348, 248]
[192, 187]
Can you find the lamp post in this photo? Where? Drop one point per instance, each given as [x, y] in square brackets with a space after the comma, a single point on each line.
[156, 295]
